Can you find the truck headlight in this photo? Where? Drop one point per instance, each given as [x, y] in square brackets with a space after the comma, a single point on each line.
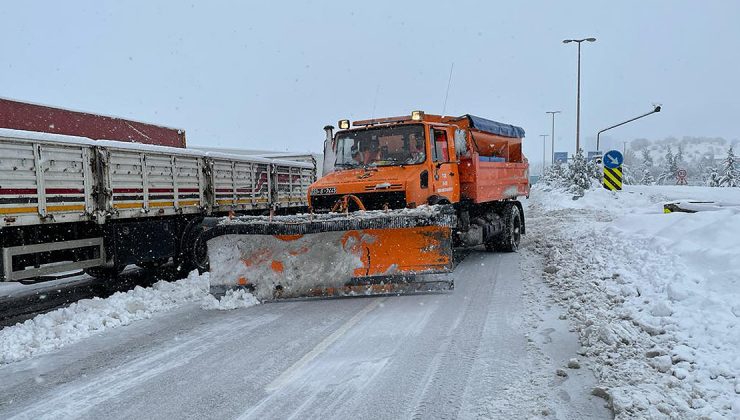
[344, 124]
[417, 115]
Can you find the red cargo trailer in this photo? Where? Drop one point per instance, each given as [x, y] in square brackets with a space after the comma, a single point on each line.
[31, 117]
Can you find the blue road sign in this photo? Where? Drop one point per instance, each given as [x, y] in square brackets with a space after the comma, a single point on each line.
[613, 159]
[593, 155]
[561, 157]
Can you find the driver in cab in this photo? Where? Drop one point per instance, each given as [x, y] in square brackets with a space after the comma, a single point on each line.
[370, 152]
[416, 155]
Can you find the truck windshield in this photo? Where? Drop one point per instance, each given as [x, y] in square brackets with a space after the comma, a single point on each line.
[382, 146]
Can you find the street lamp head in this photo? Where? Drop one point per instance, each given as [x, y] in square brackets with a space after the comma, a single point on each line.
[657, 108]
[591, 39]
[567, 41]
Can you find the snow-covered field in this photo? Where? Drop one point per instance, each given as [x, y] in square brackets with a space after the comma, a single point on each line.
[655, 297]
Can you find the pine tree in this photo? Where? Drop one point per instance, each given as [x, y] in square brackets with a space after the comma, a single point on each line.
[730, 176]
[647, 160]
[647, 168]
[628, 177]
[679, 156]
[579, 176]
[670, 169]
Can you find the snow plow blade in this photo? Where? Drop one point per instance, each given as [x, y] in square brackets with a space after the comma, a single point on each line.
[333, 255]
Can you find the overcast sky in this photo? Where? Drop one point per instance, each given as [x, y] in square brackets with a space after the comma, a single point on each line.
[270, 75]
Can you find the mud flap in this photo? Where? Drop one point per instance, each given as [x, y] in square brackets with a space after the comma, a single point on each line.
[396, 259]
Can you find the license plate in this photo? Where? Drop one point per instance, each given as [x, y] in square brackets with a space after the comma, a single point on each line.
[323, 191]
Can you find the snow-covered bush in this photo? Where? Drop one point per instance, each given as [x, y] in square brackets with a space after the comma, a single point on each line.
[713, 178]
[647, 177]
[554, 176]
[575, 177]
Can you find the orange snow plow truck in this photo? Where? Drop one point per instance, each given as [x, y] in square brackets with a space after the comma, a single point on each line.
[397, 196]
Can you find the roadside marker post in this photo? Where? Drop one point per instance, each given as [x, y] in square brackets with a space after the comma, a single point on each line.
[613, 160]
[681, 177]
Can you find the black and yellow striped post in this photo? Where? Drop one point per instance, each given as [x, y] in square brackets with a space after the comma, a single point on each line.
[613, 178]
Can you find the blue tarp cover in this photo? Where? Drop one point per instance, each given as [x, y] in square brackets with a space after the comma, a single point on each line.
[493, 127]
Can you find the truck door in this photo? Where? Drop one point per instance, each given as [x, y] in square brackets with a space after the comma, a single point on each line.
[444, 169]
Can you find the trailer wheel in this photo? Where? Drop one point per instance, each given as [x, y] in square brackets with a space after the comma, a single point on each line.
[509, 239]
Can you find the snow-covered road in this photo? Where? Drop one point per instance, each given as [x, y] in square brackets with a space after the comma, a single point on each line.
[489, 349]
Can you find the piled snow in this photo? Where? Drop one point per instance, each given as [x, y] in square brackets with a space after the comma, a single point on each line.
[297, 265]
[655, 297]
[82, 319]
[233, 299]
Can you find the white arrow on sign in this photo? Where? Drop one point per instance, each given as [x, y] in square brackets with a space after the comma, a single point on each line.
[613, 159]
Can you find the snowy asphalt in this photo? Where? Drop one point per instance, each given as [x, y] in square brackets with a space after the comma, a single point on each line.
[489, 349]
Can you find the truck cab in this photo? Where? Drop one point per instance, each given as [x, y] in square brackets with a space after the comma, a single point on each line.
[390, 163]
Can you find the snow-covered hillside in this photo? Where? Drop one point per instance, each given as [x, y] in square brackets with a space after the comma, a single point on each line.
[655, 297]
[698, 155]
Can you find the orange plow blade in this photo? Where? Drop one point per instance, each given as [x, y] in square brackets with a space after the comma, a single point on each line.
[386, 255]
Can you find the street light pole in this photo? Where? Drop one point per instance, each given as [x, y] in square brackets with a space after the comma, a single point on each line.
[598, 135]
[552, 136]
[578, 89]
[544, 146]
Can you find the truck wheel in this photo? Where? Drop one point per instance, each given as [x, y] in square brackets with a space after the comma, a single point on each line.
[512, 234]
[509, 239]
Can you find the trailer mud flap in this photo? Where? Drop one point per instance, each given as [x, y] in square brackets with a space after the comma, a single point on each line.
[335, 263]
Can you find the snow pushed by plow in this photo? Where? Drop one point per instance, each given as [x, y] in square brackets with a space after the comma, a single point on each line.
[297, 265]
[84, 318]
[653, 296]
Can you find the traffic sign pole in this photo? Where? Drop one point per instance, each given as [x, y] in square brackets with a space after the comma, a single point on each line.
[613, 160]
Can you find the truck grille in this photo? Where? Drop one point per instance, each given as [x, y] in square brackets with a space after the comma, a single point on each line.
[371, 201]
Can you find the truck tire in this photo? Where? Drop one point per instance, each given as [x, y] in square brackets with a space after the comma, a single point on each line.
[509, 239]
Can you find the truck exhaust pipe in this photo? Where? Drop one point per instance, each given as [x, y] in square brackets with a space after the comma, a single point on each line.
[329, 129]
[329, 155]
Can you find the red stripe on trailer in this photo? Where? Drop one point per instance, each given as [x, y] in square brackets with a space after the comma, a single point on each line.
[64, 191]
[127, 190]
[13, 191]
[160, 190]
[195, 190]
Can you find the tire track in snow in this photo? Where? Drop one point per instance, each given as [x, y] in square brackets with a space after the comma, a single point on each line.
[75, 399]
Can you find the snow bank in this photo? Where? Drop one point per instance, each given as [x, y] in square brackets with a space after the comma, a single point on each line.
[655, 297]
[82, 319]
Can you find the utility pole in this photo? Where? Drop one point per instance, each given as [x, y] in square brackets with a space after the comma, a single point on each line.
[552, 136]
[578, 89]
[544, 146]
